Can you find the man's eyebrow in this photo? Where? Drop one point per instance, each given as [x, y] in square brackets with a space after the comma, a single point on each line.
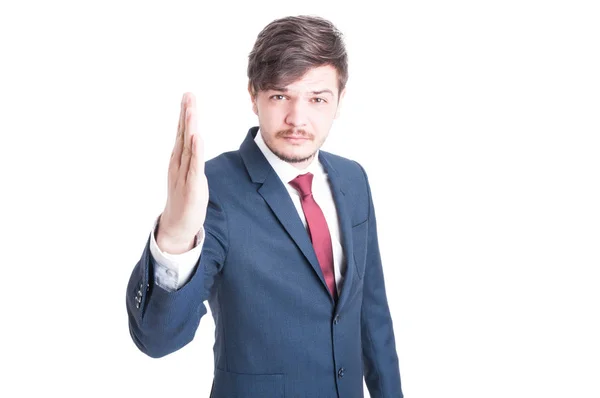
[323, 91]
[316, 92]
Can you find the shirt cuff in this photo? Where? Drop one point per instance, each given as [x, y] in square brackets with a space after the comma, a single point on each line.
[172, 271]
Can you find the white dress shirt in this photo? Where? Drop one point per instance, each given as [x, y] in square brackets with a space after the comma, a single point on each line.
[172, 271]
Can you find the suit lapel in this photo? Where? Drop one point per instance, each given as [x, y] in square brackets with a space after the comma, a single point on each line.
[339, 196]
[278, 199]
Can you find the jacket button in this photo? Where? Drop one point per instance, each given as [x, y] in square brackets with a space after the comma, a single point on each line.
[341, 373]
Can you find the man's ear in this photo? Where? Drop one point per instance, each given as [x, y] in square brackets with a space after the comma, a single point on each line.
[252, 98]
[339, 105]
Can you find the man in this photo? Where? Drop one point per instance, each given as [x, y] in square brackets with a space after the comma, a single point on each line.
[283, 244]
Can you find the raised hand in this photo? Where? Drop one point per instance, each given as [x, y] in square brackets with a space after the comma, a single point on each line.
[187, 199]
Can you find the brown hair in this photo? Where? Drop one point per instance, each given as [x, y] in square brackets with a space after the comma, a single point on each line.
[288, 47]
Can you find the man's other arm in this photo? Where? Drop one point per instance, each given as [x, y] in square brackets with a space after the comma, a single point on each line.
[380, 360]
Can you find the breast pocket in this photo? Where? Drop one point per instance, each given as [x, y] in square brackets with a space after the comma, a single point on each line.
[359, 246]
[241, 385]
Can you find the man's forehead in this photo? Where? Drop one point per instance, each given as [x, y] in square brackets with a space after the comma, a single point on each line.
[304, 87]
[319, 78]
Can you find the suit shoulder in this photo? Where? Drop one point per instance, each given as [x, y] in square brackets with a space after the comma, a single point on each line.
[354, 184]
[225, 172]
[222, 164]
[350, 168]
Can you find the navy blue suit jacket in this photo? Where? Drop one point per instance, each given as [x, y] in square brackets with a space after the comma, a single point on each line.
[278, 331]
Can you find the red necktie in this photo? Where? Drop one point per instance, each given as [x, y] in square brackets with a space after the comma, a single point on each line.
[317, 229]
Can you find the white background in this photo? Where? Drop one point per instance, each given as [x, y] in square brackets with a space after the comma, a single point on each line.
[477, 122]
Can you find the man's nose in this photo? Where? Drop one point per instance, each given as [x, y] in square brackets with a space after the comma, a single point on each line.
[297, 113]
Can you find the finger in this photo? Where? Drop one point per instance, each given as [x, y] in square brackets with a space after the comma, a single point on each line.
[197, 159]
[190, 105]
[179, 138]
[193, 169]
[181, 124]
[190, 123]
[191, 128]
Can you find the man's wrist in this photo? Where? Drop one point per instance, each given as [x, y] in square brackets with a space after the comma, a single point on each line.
[173, 244]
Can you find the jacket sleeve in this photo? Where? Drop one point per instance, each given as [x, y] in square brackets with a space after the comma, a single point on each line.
[161, 321]
[380, 360]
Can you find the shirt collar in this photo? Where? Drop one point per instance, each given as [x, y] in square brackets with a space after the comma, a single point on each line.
[284, 170]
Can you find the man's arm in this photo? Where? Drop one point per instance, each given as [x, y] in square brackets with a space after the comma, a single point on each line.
[380, 360]
[162, 321]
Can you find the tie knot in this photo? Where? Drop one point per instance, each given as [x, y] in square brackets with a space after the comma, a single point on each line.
[303, 184]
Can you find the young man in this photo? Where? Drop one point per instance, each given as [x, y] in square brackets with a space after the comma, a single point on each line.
[278, 236]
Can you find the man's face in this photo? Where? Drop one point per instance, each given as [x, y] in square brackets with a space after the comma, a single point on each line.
[295, 120]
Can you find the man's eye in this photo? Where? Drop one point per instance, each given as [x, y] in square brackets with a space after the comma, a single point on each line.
[319, 100]
[278, 97]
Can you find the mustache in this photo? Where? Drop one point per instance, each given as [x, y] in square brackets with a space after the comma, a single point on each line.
[299, 133]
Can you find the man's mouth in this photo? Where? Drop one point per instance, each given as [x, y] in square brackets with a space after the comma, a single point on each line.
[295, 138]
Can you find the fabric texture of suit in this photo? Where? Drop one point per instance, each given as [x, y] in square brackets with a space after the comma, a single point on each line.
[278, 331]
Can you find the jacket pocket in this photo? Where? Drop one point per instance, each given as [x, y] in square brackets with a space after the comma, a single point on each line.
[243, 385]
[359, 246]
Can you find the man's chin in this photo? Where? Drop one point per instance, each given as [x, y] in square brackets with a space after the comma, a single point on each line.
[293, 157]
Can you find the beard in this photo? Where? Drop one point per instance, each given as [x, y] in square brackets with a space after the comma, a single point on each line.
[288, 133]
[289, 159]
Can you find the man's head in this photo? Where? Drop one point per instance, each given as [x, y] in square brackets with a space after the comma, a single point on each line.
[297, 74]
